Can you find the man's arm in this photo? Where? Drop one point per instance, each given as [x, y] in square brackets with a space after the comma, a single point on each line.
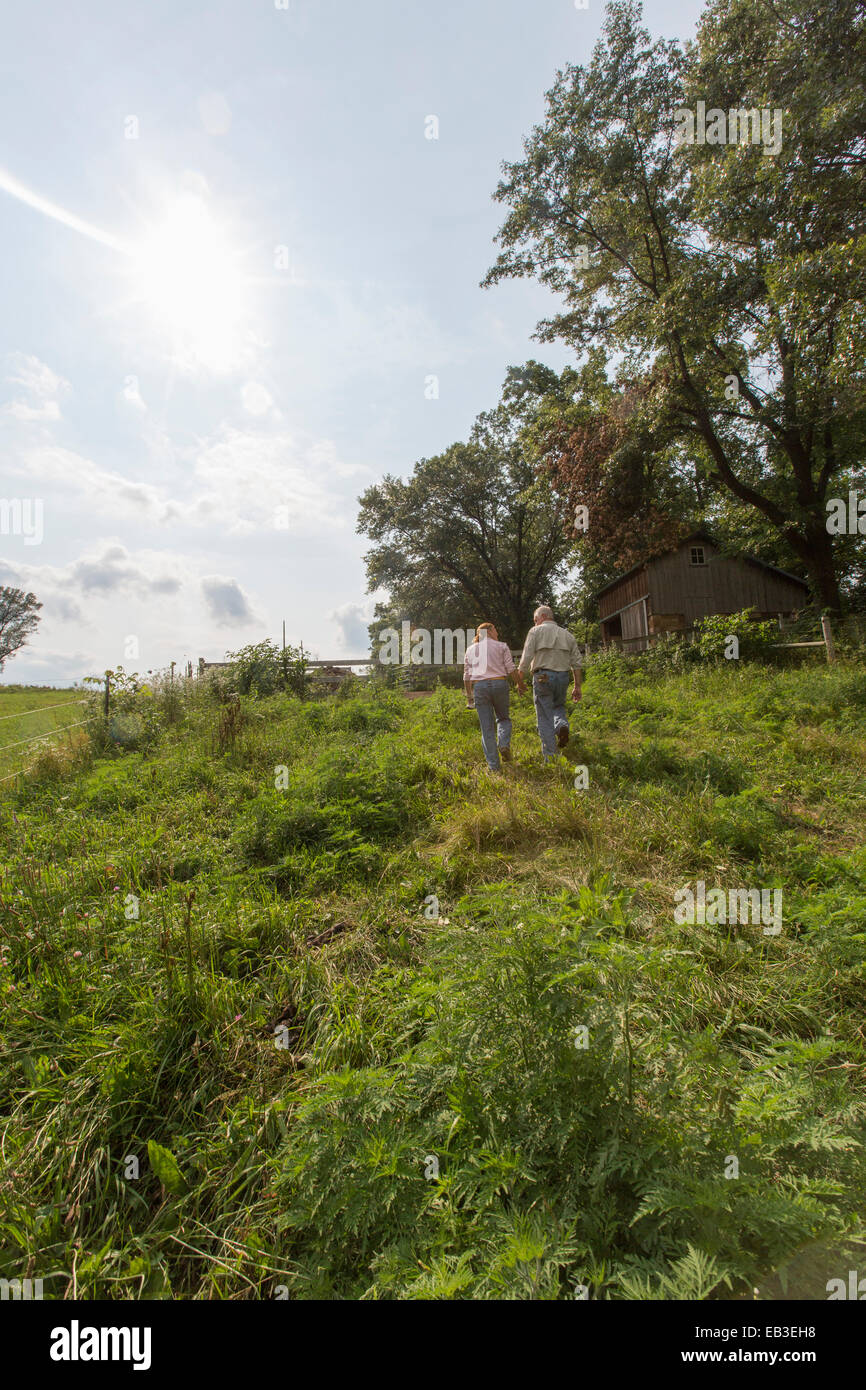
[526, 656]
[514, 674]
[576, 668]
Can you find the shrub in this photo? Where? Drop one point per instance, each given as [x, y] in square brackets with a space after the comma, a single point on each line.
[262, 668]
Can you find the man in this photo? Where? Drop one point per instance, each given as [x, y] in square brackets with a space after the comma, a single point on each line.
[550, 652]
[487, 668]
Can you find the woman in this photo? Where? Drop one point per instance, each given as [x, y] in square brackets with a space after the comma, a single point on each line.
[487, 667]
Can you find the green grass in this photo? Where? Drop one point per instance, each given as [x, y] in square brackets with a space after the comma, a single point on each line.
[26, 714]
[157, 1142]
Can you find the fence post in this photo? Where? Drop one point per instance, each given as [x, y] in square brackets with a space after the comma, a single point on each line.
[107, 688]
[828, 638]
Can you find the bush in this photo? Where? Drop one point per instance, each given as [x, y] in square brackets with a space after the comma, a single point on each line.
[331, 804]
[756, 640]
[263, 668]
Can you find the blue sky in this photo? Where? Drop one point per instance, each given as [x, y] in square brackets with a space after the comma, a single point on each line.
[232, 261]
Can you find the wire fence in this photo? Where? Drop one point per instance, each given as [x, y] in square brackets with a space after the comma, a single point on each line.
[39, 738]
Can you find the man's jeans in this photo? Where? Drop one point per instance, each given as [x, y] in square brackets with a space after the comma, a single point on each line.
[491, 702]
[548, 691]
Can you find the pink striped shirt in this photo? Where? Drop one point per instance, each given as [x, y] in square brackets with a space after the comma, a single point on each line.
[487, 660]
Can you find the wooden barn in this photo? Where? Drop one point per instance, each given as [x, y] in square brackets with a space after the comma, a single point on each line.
[694, 580]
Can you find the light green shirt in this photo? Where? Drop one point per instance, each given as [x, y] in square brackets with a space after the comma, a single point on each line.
[551, 648]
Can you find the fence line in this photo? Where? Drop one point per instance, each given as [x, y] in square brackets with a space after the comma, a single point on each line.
[40, 709]
[38, 737]
[648, 638]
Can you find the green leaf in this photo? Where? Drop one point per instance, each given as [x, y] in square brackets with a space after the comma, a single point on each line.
[164, 1164]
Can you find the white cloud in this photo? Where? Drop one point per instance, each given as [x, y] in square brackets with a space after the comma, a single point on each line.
[242, 481]
[20, 410]
[102, 489]
[42, 386]
[49, 666]
[226, 601]
[351, 620]
[107, 572]
[247, 478]
[256, 398]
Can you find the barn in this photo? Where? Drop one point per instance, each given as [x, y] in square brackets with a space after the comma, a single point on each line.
[693, 580]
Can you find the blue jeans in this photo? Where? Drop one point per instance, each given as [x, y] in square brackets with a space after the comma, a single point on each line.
[491, 701]
[548, 692]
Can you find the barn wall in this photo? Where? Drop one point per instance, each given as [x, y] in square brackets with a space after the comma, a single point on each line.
[628, 590]
[722, 585]
[633, 626]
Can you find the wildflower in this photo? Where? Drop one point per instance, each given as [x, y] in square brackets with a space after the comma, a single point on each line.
[76, 955]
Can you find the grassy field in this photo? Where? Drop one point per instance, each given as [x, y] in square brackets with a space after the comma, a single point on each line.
[19, 722]
[301, 1003]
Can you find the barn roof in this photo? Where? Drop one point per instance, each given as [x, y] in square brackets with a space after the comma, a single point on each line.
[687, 540]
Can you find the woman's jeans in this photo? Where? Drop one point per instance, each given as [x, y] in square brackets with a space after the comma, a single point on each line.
[549, 690]
[491, 701]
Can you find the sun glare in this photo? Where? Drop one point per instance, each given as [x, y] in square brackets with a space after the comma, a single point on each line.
[186, 273]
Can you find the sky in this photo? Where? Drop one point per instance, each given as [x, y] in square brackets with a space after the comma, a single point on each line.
[242, 246]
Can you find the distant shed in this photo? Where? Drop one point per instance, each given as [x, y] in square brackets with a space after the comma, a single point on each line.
[693, 580]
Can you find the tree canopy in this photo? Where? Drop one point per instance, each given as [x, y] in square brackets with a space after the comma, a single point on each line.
[471, 535]
[727, 280]
[19, 616]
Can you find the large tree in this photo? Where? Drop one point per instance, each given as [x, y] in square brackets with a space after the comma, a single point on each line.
[19, 615]
[630, 492]
[731, 277]
[471, 535]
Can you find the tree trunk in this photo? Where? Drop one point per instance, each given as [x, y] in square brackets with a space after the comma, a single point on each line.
[816, 551]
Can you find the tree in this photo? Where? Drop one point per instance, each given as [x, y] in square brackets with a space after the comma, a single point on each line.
[263, 668]
[18, 618]
[472, 535]
[730, 277]
[630, 493]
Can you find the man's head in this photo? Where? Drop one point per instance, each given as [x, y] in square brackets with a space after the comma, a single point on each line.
[542, 615]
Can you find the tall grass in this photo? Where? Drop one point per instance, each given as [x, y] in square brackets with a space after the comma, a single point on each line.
[294, 998]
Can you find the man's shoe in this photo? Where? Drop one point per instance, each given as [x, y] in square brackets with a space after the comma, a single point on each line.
[505, 754]
[562, 736]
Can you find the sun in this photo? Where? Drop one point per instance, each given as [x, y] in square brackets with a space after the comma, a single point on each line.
[187, 275]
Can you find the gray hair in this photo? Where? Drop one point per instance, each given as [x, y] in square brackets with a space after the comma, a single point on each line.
[544, 612]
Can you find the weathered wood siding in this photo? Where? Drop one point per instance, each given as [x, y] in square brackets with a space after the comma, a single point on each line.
[634, 586]
[633, 623]
[722, 585]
